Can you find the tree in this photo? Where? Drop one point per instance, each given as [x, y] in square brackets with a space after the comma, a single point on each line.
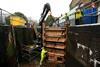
[50, 20]
[21, 15]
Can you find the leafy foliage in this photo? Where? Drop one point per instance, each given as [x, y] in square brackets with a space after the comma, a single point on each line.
[21, 15]
[50, 20]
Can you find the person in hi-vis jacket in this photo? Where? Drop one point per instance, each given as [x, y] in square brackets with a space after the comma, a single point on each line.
[43, 55]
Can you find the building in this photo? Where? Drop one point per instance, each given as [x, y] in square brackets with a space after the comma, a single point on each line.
[83, 5]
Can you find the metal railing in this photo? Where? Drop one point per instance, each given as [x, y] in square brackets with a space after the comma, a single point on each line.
[87, 5]
[3, 15]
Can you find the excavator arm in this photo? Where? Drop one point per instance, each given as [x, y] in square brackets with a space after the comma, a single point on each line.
[46, 9]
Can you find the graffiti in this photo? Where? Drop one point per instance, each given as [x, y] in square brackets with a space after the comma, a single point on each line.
[95, 62]
[91, 53]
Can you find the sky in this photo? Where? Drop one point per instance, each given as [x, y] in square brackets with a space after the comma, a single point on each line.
[34, 8]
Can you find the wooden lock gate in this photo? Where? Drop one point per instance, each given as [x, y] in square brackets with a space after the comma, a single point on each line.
[55, 41]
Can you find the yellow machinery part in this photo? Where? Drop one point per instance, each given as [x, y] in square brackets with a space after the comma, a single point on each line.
[17, 21]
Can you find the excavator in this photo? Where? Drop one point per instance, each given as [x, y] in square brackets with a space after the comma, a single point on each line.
[46, 10]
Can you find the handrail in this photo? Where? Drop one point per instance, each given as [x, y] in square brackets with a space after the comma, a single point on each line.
[5, 11]
[90, 14]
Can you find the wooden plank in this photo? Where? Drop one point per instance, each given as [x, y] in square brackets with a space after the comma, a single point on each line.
[55, 28]
[61, 46]
[55, 33]
[56, 39]
[57, 57]
[50, 45]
